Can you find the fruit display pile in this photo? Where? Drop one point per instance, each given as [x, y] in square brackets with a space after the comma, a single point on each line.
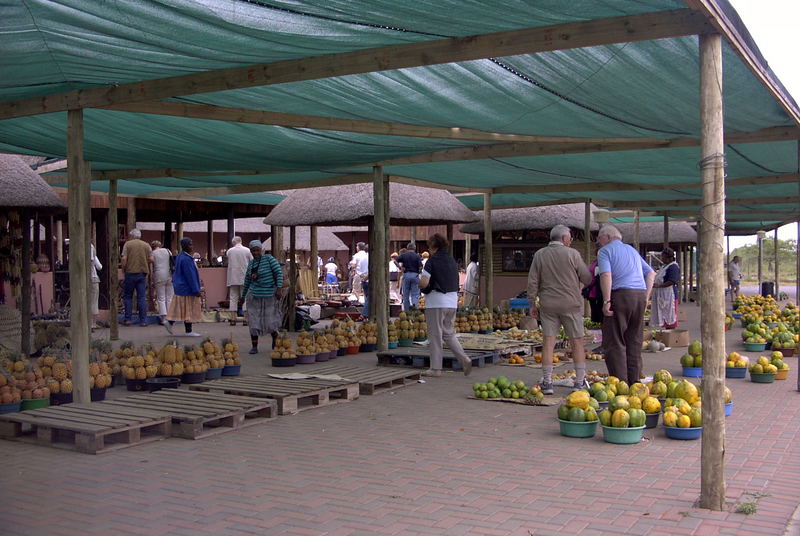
[502, 387]
[408, 325]
[769, 365]
[694, 356]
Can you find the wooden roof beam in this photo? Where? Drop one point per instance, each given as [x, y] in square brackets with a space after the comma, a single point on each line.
[696, 202]
[253, 188]
[641, 27]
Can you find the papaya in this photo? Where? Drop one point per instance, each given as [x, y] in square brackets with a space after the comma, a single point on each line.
[612, 380]
[687, 360]
[684, 421]
[591, 415]
[651, 405]
[728, 395]
[620, 419]
[639, 390]
[605, 417]
[637, 418]
[619, 402]
[695, 348]
[658, 389]
[601, 396]
[593, 403]
[698, 361]
[634, 402]
[622, 388]
[563, 412]
[663, 376]
[576, 415]
[696, 417]
[578, 399]
[670, 418]
[597, 387]
[687, 391]
[671, 386]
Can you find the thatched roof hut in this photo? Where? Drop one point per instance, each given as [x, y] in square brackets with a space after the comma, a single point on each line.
[533, 218]
[652, 233]
[353, 204]
[22, 187]
[242, 226]
[326, 240]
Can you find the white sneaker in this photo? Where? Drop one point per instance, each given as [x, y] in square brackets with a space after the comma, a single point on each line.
[193, 334]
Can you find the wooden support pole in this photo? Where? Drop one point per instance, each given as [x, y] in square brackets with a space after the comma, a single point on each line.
[60, 242]
[277, 243]
[450, 240]
[113, 260]
[691, 269]
[167, 234]
[79, 227]
[760, 263]
[728, 249]
[131, 220]
[48, 241]
[467, 249]
[666, 232]
[797, 275]
[776, 267]
[684, 273]
[379, 277]
[414, 235]
[179, 232]
[210, 240]
[587, 230]
[25, 272]
[292, 298]
[636, 230]
[37, 237]
[231, 229]
[314, 253]
[711, 276]
[488, 250]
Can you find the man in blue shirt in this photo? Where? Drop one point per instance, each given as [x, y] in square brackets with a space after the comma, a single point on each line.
[626, 281]
[411, 264]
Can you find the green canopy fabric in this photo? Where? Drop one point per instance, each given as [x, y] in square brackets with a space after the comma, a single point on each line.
[644, 89]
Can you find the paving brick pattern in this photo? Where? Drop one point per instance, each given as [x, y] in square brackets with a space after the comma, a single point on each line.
[419, 460]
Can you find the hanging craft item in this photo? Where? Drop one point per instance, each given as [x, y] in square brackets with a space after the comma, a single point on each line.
[11, 252]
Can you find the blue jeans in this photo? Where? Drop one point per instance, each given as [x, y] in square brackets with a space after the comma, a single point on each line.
[410, 291]
[365, 289]
[135, 282]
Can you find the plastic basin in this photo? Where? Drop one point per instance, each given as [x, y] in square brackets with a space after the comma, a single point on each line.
[34, 403]
[156, 384]
[764, 377]
[368, 347]
[735, 372]
[393, 344]
[56, 399]
[12, 407]
[322, 356]
[728, 408]
[214, 373]
[306, 359]
[352, 350]
[405, 342]
[622, 436]
[135, 385]
[97, 394]
[651, 420]
[231, 370]
[577, 429]
[342, 351]
[755, 346]
[193, 377]
[782, 374]
[673, 432]
[284, 361]
[693, 372]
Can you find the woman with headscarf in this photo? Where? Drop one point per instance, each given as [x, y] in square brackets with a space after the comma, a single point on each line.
[439, 282]
[262, 284]
[664, 306]
[185, 304]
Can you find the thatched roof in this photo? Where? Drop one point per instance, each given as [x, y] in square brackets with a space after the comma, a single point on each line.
[652, 232]
[23, 187]
[353, 205]
[533, 218]
[326, 240]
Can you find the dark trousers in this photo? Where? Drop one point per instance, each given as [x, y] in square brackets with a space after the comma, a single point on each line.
[136, 282]
[622, 334]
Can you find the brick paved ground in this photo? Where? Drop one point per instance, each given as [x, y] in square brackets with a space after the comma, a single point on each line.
[419, 460]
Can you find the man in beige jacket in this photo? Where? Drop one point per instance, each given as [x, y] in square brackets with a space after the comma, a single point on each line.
[556, 277]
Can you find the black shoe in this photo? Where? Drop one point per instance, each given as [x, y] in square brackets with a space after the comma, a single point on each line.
[253, 350]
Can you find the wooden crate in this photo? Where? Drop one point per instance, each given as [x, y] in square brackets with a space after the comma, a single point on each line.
[419, 357]
[90, 428]
[291, 395]
[370, 380]
[196, 414]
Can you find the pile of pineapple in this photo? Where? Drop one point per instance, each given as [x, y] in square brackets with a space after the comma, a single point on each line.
[471, 320]
[394, 331]
[283, 348]
[139, 365]
[367, 333]
[507, 319]
[411, 325]
[341, 333]
[21, 380]
[305, 343]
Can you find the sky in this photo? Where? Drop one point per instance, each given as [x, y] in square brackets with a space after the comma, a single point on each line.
[773, 25]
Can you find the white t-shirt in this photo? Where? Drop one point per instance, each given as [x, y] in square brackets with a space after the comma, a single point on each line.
[735, 271]
[161, 265]
[471, 283]
[440, 300]
[361, 261]
[331, 268]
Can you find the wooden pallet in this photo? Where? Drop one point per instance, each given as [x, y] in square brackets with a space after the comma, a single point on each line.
[90, 428]
[419, 357]
[196, 414]
[370, 380]
[291, 395]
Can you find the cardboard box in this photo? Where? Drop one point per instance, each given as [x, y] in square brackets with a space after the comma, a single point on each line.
[673, 337]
